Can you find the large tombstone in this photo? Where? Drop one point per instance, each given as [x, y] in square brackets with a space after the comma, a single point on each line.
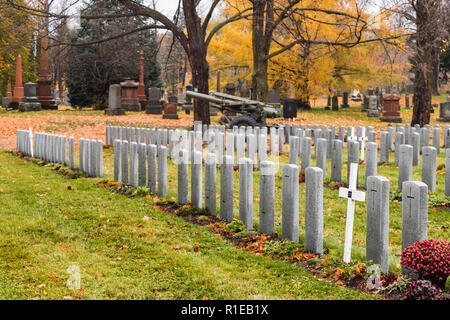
[114, 101]
[290, 108]
[391, 107]
[129, 98]
[29, 101]
[345, 100]
[171, 108]
[154, 101]
[444, 112]
[372, 109]
[334, 103]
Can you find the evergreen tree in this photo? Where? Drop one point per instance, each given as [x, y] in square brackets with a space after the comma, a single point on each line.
[94, 67]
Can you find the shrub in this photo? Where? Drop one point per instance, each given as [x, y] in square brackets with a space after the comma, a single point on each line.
[141, 191]
[235, 226]
[429, 260]
[423, 290]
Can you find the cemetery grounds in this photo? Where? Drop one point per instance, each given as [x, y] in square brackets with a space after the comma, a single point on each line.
[128, 247]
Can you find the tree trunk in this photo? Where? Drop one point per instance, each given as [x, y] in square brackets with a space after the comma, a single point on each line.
[435, 71]
[260, 86]
[424, 64]
[421, 100]
[197, 51]
[200, 76]
[260, 51]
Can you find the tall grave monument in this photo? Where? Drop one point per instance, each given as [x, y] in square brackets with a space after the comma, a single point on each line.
[141, 87]
[18, 88]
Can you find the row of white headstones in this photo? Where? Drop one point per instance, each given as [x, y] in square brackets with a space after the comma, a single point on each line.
[351, 193]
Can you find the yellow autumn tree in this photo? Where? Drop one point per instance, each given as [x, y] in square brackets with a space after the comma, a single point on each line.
[313, 66]
[16, 37]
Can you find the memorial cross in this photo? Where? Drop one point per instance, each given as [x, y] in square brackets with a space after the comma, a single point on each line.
[352, 195]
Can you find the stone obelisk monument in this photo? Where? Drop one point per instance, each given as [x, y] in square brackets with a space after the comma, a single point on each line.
[44, 85]
[8, 90]
[141, 88]
[18, 88]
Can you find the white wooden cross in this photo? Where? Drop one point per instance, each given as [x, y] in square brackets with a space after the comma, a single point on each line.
[352, 195]
[362, 140]
[352, 136]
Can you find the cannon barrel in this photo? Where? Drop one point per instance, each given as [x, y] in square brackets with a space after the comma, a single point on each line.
[236, 98]
[204, 97]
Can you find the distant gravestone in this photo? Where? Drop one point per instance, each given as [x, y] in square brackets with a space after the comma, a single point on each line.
[173, 99]
[444, 112]
[334, 103]
[170, 110]
[365, 103]
[345, 100]
[274, 97]
[29, 101]
[290, 108]
[391, 107]
[5, 102]
[129, 98]
[372, 110]
[153, 105]
[114, 102]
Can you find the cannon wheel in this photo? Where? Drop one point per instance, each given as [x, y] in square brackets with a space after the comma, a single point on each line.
[243, 121]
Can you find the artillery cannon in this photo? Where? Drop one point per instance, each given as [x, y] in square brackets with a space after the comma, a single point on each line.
[251, 113]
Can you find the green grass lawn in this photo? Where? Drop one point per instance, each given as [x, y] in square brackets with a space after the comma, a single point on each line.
[47, 227]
